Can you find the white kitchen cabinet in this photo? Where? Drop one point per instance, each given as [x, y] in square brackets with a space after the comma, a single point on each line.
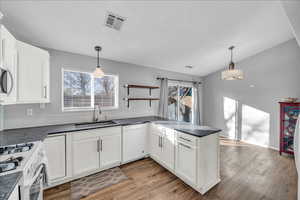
[162, 146]
[168, 148]
[8, 61]
[85, 155]
[56, 153]
[110, 150]
[33, 74]
[186, 162]
[96, 149]
[135, 138]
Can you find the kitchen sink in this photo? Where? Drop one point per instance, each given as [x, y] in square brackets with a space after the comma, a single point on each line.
[93, 124]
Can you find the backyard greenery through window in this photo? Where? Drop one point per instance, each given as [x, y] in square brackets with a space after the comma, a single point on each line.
[81, 91]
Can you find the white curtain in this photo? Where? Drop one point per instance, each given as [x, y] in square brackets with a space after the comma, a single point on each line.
[163, 102]
[197, 114]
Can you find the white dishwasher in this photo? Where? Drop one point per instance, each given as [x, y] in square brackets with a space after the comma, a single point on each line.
[135, 139]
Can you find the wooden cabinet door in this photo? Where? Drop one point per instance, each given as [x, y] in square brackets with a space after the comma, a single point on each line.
[56, 154]
[33, 65]
[186, 162]
[85, 155]
[134, 142]
[110, 150]
[168, 148]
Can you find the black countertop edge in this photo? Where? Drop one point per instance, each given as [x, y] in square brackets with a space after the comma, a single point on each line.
[199, 133]
[8, 183]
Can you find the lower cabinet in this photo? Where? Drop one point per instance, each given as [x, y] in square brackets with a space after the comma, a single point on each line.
[162, 145]
[95, 149]
[56, 153]
[186, 162]
[85, 155]
[110, 150]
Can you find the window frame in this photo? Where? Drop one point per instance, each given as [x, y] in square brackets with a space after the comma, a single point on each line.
[182, 84]
[75, 109]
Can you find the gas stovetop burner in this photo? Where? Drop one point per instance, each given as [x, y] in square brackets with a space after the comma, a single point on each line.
[10, 164]
[15, 148]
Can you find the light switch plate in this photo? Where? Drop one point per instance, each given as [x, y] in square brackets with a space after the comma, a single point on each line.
[29, 111]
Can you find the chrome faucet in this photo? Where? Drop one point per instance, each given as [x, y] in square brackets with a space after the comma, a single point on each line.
[97, 113]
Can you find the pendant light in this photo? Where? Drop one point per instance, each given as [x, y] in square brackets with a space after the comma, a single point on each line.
[98, 73]
[231, 73]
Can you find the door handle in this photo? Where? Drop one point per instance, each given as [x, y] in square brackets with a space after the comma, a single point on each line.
[98, 145]
[185, 145]
[45, 92]
[12, 82]
[188, 140]
[101, 145]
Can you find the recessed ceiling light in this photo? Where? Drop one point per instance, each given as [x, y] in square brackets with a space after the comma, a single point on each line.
[189, 67]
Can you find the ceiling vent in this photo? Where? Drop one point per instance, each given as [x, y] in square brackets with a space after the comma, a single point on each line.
[114, 21]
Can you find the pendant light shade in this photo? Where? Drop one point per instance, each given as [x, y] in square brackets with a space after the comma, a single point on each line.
[231, 73]
[98, 73]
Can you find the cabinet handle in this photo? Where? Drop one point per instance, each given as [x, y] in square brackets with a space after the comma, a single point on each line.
[101, 145]
[185, 145]
[158, 141]
[185, 139]
[98, 145]
[161, 141]
[3, 49]
[45, 92]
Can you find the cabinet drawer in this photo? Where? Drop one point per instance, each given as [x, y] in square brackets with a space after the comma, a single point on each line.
[186, 138]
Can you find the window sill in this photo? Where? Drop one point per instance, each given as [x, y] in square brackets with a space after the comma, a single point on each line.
[88, 109]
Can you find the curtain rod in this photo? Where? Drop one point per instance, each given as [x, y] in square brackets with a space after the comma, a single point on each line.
[162, 78]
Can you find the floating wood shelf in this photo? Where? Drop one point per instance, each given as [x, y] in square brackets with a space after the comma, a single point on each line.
[142, 87]
[140, 99]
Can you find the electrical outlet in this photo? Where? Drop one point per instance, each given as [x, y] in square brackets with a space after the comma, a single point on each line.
[29, 111]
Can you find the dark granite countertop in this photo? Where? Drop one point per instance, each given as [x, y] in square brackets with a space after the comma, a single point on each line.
[8, 183]
[195, 130]
[22, 135]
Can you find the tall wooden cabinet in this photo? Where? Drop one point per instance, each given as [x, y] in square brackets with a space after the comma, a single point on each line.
[288, 118]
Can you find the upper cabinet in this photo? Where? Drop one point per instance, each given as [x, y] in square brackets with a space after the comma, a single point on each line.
[8, 53]
[33, 74]
[24, 71]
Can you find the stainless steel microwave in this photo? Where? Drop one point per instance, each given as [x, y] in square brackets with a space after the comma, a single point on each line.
[6, 82]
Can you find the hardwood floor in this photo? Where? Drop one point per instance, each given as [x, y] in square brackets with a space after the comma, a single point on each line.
[248, 172]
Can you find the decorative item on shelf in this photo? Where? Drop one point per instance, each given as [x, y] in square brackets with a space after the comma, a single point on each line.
[128, 86]
[98, 73]
[290, 99]
[231, 73]
[289, 112]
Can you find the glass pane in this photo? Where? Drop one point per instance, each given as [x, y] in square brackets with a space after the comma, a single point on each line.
[105, 91]
[172, 102]
[77, 89]
[185, 104]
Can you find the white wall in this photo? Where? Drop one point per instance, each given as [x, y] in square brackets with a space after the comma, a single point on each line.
[15, 115]
[254, 111]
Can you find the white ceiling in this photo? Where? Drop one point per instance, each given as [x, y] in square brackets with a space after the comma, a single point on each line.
[161, 34]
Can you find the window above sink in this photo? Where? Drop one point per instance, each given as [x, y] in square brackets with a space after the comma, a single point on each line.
[81, 91]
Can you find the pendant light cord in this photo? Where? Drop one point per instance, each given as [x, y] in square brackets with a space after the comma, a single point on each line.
[98, 59]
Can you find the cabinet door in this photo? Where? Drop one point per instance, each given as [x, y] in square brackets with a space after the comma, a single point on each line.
[8, 62]
[33, 65]
[155, 145]
[168, 149]
[85, 155]
[186, 162]
[56, 154]
[134, 142]
[110, 150]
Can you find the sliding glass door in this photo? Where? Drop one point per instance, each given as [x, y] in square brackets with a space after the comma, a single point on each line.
[180, 102]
